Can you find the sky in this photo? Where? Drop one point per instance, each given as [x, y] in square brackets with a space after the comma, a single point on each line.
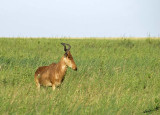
[79, 18]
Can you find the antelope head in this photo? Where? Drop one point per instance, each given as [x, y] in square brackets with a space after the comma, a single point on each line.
[69, 61]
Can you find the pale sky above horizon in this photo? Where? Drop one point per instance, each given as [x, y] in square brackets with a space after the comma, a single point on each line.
[79, 18]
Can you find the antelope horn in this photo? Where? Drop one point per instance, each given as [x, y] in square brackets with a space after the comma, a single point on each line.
[69, 47]
[64, 46]
[65, 49]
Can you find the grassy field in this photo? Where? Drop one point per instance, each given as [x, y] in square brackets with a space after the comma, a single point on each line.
[114, 77]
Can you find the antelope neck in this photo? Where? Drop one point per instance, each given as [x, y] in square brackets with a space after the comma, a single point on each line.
[62, 65]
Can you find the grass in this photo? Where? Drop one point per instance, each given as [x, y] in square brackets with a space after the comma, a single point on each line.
[114, 77]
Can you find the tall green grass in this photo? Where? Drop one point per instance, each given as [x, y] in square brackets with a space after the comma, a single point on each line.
[113, 77]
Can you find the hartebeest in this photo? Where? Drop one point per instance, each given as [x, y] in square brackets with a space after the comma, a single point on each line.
[53, 75]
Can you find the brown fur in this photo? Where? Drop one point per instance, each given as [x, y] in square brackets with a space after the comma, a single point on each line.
[53, 74]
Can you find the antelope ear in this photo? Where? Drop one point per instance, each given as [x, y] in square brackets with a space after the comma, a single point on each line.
[65, 55]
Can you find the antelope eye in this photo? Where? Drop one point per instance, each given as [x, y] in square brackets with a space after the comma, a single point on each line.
[70, 57]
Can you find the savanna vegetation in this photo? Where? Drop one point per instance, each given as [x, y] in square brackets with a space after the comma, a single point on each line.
[114, 77]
